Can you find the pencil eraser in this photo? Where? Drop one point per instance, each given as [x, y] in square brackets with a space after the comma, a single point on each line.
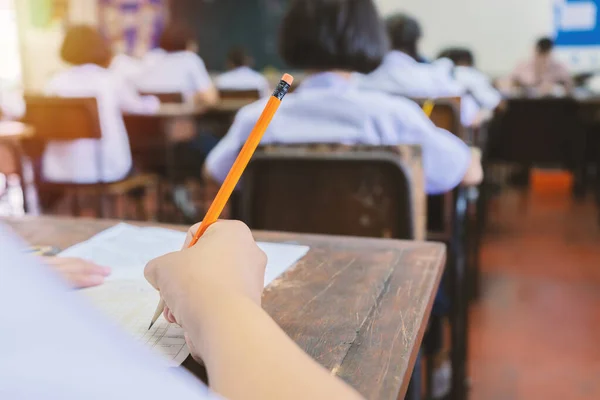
[287, 78]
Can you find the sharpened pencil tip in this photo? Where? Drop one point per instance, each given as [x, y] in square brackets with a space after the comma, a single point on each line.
[151, 323]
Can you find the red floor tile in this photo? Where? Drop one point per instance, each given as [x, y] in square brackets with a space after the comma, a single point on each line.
[535, 333]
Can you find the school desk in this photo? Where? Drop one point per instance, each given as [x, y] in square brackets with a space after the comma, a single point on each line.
[11, 135]
[152, 136]
[357, 306]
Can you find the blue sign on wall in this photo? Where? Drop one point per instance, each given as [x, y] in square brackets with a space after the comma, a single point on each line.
[577, 22]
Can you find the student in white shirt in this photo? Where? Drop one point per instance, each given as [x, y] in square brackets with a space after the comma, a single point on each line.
[332, 40]
[240, 76]
[126, 67]
[173, 68]
[75, 161]
[402, 72]
[476, 82]
[55, 346]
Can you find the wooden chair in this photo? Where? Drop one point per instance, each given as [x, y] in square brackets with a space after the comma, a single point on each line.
[69, 119]
[339, 190]
[372, 191]
[448, 222]
[251, 94]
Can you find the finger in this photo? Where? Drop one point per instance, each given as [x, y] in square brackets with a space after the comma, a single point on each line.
[190, 235]
[79, 281]
[153, 268]
[169, 315]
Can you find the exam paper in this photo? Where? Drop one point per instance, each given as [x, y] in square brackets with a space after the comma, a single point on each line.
[130, 301]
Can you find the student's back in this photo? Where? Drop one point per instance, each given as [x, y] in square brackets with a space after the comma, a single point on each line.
[174, 68]
[240, 76]
[401, 74]
[75, 161]
[178, 72]
[243, 78]
[328, 108]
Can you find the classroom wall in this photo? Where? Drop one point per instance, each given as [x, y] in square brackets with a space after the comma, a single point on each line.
[40, 46]
[500, 32]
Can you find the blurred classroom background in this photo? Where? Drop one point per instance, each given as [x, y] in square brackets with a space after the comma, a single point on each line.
[522, 317]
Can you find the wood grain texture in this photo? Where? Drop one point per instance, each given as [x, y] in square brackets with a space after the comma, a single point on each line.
[357, 306]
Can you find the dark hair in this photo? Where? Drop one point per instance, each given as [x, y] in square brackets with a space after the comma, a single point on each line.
[404, 32]
[544, 45]
[175, 38]
[333, 34]
[237, 57]
[83, 44]
[459, 56]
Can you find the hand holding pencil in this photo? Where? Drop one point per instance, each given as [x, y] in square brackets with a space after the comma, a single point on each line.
[238, 167]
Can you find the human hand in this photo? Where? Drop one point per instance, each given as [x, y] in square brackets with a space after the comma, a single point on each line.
[78, 272]
[226, 260]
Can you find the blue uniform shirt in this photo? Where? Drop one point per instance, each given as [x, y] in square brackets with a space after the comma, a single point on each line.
[400, 74]
[327, 108]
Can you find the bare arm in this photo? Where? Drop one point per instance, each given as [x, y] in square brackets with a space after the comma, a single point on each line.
[474, 174]
[214, 294]
[208, 97]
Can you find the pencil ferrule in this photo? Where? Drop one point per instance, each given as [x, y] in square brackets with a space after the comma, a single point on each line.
[281, 89]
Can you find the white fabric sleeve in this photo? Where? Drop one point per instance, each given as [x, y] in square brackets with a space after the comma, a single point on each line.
[54, 345]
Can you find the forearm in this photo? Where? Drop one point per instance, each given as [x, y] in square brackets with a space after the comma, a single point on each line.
[474, 174]
[249, 357]
[208, 97]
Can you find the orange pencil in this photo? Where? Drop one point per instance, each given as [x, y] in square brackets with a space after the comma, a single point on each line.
[238, 167]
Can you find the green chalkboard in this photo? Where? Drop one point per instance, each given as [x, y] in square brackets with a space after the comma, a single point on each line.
[221, 24]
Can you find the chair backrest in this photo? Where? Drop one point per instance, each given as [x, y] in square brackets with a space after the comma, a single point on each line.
[60, 118]
[252, 94]
[445, 115]
[537, 131]
[332, 189]
[174, 97]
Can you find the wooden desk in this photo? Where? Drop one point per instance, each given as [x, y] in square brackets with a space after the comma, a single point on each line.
[357, 306]
[188, 110]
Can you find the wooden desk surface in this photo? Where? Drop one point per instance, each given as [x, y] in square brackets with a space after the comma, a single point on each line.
[188, 110]
[357, 306]
[10, 130]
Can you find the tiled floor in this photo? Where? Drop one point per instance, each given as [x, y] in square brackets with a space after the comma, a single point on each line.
[535, 334]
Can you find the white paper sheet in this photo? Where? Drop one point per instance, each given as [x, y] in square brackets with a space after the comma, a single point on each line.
[129, 300]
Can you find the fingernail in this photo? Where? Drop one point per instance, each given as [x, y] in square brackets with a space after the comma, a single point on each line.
[106, 271]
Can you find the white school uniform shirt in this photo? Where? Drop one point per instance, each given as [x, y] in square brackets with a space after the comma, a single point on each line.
[180, 72]
[243, 78]
[327, 108]
[78, 353]
[75, 161]
[126, 67]
[400, 74]
[479, 86]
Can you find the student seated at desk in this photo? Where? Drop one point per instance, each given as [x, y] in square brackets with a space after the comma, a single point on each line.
[542, 75]
[240, 76]
[401, 72]
[173, 68]
[332, 40]
[57, 347]
[476, 82]
[74, 161]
